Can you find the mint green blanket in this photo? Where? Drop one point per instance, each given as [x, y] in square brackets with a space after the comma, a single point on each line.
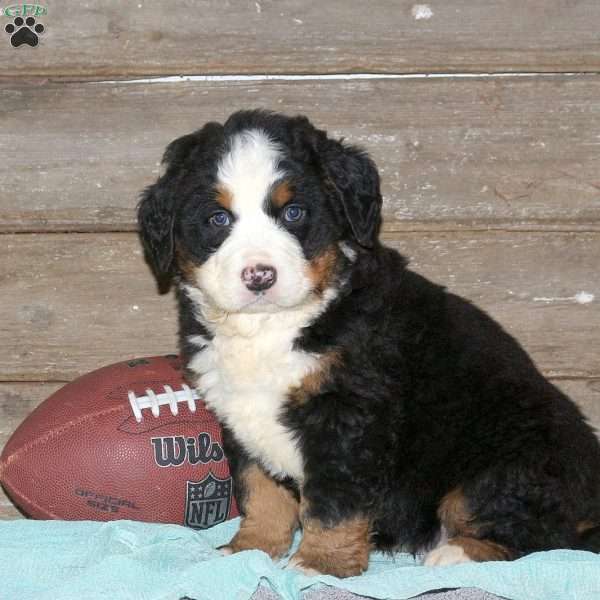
[123, 560]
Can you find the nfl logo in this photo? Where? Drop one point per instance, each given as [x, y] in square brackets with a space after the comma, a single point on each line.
[208, 502]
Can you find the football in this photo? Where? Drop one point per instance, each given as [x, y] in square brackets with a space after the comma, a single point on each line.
[128, 441]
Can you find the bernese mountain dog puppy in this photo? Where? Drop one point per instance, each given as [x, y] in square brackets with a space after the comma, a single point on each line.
[359, 401]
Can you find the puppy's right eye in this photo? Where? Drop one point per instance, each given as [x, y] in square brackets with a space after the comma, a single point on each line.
[220, 219]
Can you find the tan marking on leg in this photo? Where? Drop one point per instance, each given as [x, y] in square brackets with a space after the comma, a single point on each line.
[224, 197]
[463, 529]
[282, 194]
[312, 383]
[322, 268]
[481, 550]
[455, 515]
[342, 551]
[271, 516]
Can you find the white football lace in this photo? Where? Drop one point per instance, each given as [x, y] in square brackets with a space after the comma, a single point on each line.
[169, 397]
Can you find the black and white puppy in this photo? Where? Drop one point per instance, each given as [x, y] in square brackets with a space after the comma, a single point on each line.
[359, 401]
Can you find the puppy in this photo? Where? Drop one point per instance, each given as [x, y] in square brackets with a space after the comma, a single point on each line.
[359, 401]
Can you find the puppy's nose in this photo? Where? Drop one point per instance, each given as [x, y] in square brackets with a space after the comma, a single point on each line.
[259, 277]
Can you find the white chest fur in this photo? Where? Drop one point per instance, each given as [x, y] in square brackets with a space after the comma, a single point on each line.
[245, 373]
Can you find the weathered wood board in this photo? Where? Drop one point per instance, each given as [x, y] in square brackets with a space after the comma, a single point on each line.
[515, 153]
[17, 400]
[74, 302]
[112, 38]
[7, 510]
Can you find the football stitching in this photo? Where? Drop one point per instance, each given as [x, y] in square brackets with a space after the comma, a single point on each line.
[52, 434]
[24, 498]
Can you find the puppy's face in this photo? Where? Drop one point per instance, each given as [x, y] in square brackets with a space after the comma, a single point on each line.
[249, 240]
[252, 213]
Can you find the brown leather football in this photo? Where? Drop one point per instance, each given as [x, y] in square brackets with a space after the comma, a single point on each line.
[128, 441]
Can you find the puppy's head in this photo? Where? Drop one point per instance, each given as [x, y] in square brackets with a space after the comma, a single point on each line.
[258, 213]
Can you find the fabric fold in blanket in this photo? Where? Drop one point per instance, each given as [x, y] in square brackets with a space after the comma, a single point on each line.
[124, 560]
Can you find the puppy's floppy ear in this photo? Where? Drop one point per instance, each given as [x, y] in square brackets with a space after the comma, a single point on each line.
[355, 177]
[159, 202]
[156, 218]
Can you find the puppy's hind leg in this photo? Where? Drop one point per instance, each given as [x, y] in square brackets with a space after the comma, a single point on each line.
[506, 514]
[463, 544]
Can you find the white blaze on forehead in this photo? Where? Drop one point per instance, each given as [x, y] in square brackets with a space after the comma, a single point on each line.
[249, 169]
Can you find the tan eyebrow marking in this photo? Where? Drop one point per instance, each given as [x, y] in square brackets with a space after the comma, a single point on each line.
[282, 194]
[224, 197]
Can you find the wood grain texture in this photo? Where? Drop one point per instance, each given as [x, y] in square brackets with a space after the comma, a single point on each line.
[111, 38]
[514, 153]
[17, 400]
[74, 302]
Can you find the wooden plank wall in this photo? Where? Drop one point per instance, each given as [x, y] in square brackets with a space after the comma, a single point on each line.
[491, 169]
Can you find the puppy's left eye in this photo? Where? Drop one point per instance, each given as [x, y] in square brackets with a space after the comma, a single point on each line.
[220, 219]
[293, 213]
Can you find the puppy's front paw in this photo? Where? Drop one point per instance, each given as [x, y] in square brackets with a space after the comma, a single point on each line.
[341, 551]
[297, 563]
[225, 550]
[274, 547]
[311, 562]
